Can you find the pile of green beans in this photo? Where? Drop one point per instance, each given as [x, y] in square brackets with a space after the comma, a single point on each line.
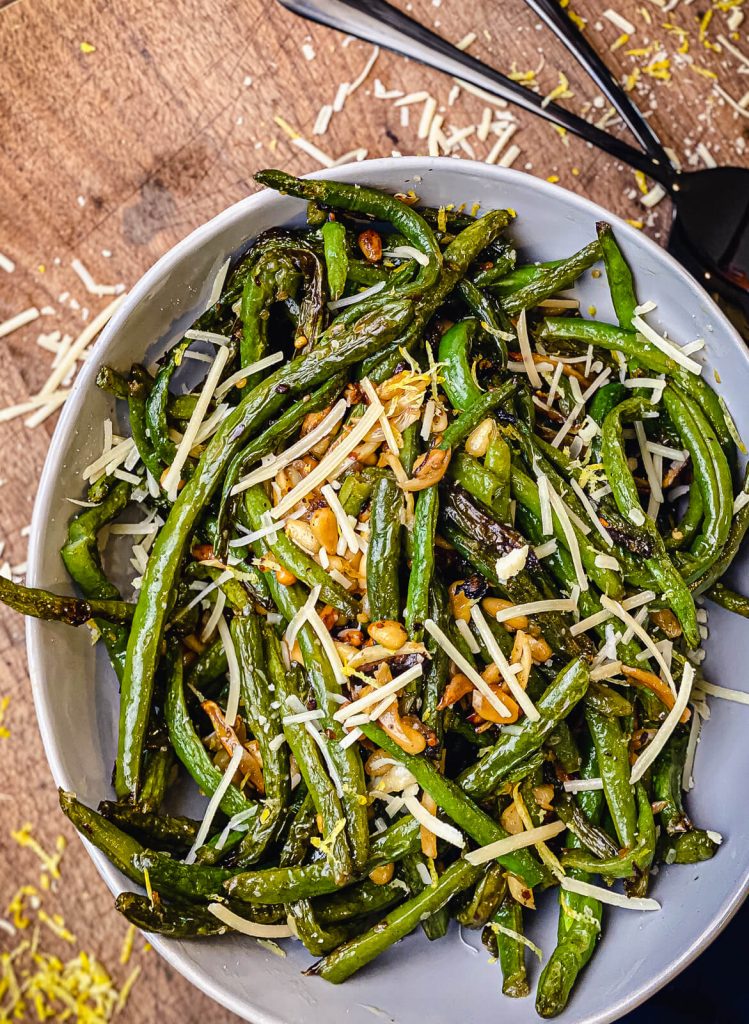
[472, 478]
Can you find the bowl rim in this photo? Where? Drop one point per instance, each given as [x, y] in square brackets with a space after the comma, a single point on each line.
[412, 167]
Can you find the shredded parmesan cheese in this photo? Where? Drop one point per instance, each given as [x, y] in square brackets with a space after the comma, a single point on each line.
[332, 461]
[173, 475]
[656, 745]
[466, 667]
[517, 842]
[430, 821]
[614, 899]
[497, 656]
[214, 803]
[241, 924]
[299, 448]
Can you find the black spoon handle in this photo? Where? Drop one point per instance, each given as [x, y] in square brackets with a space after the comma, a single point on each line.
[557, 20]
[378, 22]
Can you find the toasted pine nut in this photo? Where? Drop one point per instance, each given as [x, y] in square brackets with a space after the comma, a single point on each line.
[522, 655]
[439, 423]
[460, 604]
[381, 875]
[510, 820]
[666, 621]
[544, 795]
[202, 552]
[301, 533]
[520, 891]
[313, 418]
[480, 437]
[492, 675]
[388, 633]
[370, 244]
[458, 687]
[540, 650]
[428, 838]
[407, 738]
[428, 469]
[492, 605]
[324, 526]
[482, 707]
[194, 643]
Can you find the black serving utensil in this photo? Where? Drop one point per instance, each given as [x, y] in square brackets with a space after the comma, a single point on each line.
[711, 206]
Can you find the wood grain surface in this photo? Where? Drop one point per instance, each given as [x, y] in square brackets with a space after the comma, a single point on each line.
[124, 126]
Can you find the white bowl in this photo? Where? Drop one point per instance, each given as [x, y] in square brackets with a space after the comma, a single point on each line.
[76, 695]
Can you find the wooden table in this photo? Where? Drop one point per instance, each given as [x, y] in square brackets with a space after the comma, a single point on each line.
[126, 125]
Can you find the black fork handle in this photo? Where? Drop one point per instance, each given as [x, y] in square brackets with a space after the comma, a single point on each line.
[560, 24]
[378, 22]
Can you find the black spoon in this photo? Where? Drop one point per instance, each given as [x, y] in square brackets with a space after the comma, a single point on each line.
[711, 206]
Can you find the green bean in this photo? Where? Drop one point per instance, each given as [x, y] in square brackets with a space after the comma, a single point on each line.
[457, 805]
[159, 775]
[190, 750]
[489, 892]
[494, 323]
[675, 591]
[359, 951]
[711, 473]
[667, 785]
[153, 829]
[690, 847]
[336, 257]
[612, 753]
[579, 920]
[80, 553]
[458, 380]
[315, 937]
[176, 921]
[210, 666]
[383, 553]
[144, 644]
[307, 755]
[264, 720]
[358, 199]
[435, 926]
[562, 744]
[118, 847]
[510, 949]
[324, 682]
[360, 900]
[41, 604]
[569, 687]
[272, 280]
[157, 402]
[634, 862]
[686, 530]
[480, 482]
[552, 280]
[621, 285]
[175, 878]
[420, 580]
[729, 599]
[272, 885]
[301, 829]
[138, 387]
